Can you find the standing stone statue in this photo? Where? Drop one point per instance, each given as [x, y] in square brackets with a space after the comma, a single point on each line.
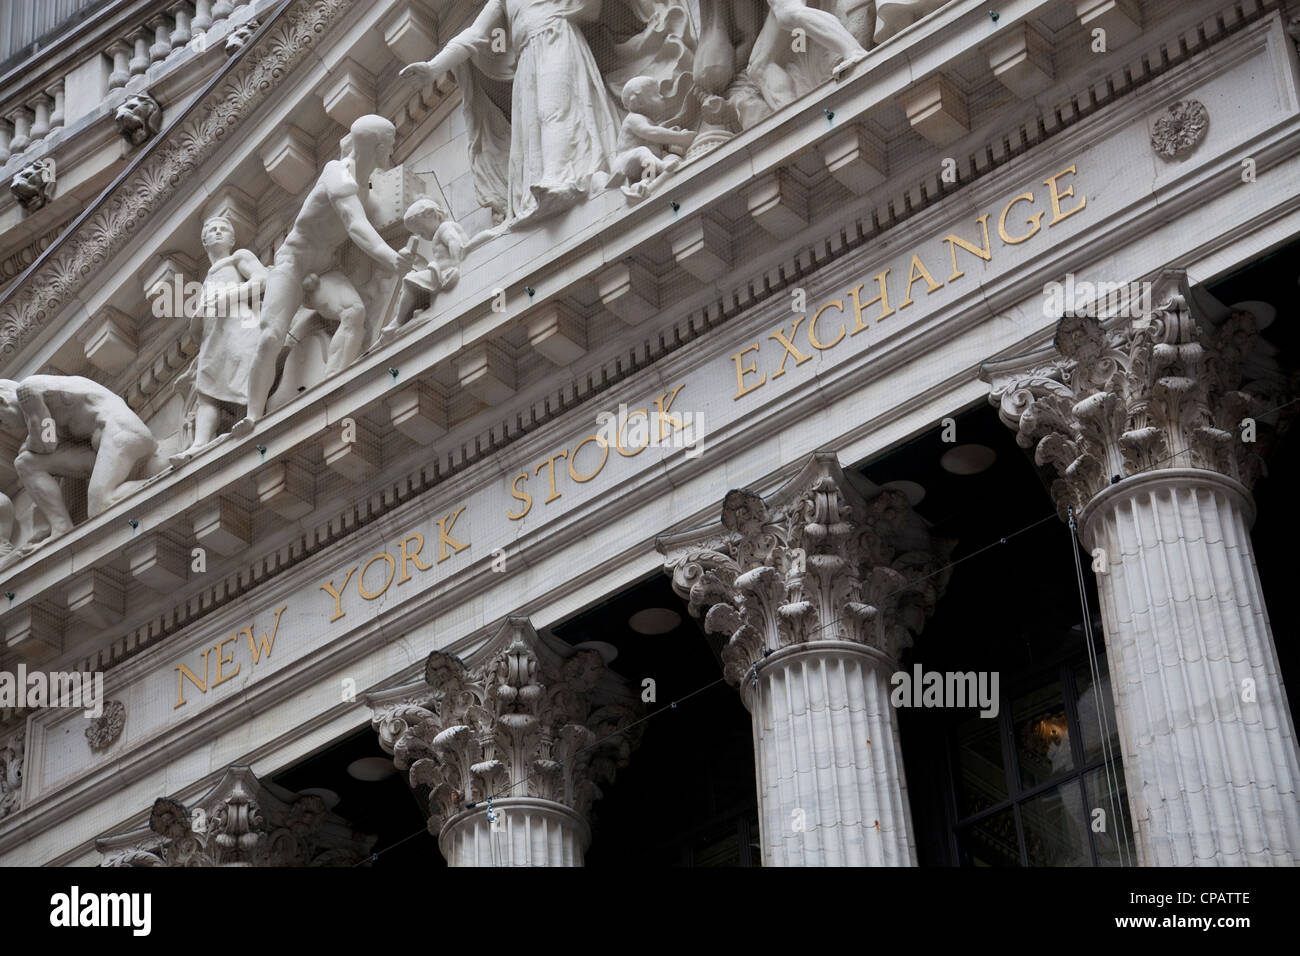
[338, 209]
[559, 142]
[227, 329]
[76, 428]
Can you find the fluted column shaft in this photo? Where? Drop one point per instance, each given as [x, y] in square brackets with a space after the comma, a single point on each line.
[1209, 747]
[831, 786]
[527, 832]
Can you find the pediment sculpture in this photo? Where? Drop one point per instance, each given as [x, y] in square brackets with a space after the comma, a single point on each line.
[74, 428]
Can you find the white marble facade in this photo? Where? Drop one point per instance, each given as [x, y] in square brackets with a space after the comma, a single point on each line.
[385, 270]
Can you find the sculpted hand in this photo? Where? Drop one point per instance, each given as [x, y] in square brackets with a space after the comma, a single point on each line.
[422, 73]
[407, 261]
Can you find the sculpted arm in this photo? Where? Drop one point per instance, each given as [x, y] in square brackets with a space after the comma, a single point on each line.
[474, 38]
[31, 399]
[251, 268]
[347, 204]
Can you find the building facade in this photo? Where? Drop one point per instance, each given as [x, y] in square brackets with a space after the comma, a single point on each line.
[694, 432]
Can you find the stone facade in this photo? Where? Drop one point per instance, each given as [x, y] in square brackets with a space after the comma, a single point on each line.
[315, 317]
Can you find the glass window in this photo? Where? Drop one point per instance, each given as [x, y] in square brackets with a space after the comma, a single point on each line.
[1042, 735]
[983, 780]
[1031, 786]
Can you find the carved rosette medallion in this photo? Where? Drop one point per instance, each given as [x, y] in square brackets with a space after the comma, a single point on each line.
[1160, 391]
[242, 821]
[1181, 130]
[815, 562]
[107, 727]
[523, 717]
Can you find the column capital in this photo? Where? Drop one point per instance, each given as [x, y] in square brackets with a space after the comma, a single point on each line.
[1167, 385]
[242, 821]
[522, 716]
[820, 560]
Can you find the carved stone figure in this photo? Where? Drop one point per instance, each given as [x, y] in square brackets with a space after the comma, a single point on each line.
[647, 149]
[427, 219]
[138, 118]
[337, 209]
[33, 185]
[7, 525]
[822, 28]
[75, 428]
[559, 142]
[227, 330]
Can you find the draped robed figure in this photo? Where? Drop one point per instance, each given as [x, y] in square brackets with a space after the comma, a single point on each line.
[542, 122]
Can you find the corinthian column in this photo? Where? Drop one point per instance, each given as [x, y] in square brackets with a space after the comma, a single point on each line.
[817, 591]
[511, 743]
[1147, 425]
[242, 821]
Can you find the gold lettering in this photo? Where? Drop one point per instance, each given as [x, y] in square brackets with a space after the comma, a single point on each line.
[1056, 197]
[222, 678]
[551, 462]
[408, 557]
[183, 672]
[1035, 220]
[444, 530]
[618, 438]
[361, 578]
[741, 387]
[812, 326]
[338, 594]
[664, 408]
[859, 305]
[799, 357]
[523, 496]
[918, 272]
[985, 252]
[266, 645]
[573, 472]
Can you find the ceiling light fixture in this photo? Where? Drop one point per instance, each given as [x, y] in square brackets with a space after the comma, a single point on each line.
[654, 620]
[968, 459]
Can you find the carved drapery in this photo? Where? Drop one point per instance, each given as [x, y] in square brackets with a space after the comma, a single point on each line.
[242, 821]
[523, 717]
[1154, 428]
[817, 590]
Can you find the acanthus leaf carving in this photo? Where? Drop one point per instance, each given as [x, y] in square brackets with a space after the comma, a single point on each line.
[242, 821]
[815, 562]
[1159, 390]
[521, 717]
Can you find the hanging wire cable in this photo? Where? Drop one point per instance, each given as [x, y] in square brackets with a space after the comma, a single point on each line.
[1107, 752]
